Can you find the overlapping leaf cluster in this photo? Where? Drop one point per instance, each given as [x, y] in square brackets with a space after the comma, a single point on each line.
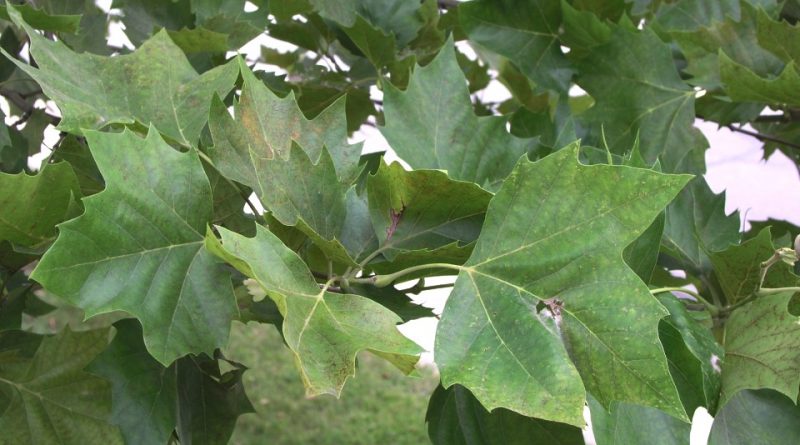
[563, 212]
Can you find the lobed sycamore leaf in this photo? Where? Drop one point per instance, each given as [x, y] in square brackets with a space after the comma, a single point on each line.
[416, 210]
[735, 37]
[761, 417]
[432, 125]
[455, 417]
[778, 37]
[378, 47]
[525, 32]
[300, 169]
[357, 235]
[151, 400]
[742, 84]
[553, 237]
[689, 15]
[139, 247]
[225, 22]
[143, 390]
[41, 19]
[266, 126]
[209, 401]
[693, 354]
[153, 85]
[400, 18]
[639, 94]
[762, 348]
[47, 397]
[76, 152]
[625, 423]
[33, 205]
[323, 329]
[738, 268]
[696, 224]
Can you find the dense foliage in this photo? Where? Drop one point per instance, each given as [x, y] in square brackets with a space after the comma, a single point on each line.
[593, 265]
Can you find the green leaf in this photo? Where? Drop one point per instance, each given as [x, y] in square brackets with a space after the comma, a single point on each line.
[312, 34]
[431, 125]
[33, 205]
[266, 125]
[376, 45]
[143, 17]
[286, 9]
[693, 354]
[684, 368]
[303, 185]
[40, 19]
[757, 418]
[413, 210]
[198, 40]
[720, 109]
[736, 38]
[625, 423]
[144, 391]
[475, 71]
[582, 30]
[762, 348]
[33, 133]
[554, 131]
[13, 153]
[77, 153]
[554, 234]
[455, 417]
[229, 204]
[641, 255]
[224, 18]
[49, 399]
[296, 191]
[738, 268]
[523, 31]
[154, 85]
[696, 225]
[149, 400]
[689, 15]
[140, 246]
[209, 401]
[401, 18]
[357, 235]
[13, 301]
[742, 84]
[94, 23]
[342, 11]
[638, 94]
[323, 329]
[778, 37]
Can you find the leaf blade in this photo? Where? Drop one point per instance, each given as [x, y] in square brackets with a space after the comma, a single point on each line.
[141, 248]
[516, 264]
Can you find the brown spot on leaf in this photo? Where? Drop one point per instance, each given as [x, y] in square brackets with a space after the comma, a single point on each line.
[395, 217]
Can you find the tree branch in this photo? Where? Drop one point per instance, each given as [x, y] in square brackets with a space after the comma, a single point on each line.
[22, 103]
[764, 137]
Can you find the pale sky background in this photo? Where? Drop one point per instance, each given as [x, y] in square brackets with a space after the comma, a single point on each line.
[758, 188]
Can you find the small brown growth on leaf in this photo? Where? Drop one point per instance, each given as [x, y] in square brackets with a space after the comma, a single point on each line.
[395, 216]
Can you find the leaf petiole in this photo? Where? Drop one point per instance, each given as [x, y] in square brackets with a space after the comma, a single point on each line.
[385, 280]
[776, 290]
[711, 308]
